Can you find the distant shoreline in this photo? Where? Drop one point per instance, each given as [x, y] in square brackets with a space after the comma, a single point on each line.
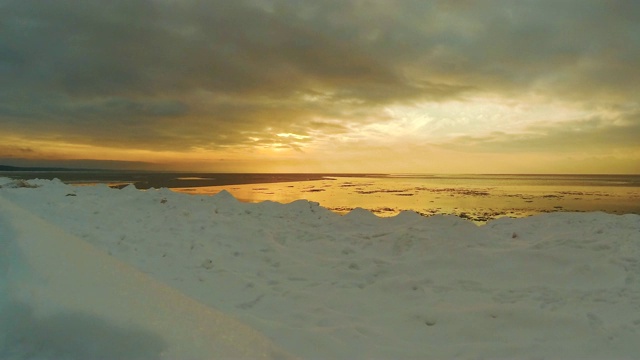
[152, 179]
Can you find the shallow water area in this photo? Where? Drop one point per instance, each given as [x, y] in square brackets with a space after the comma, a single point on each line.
[476, 198]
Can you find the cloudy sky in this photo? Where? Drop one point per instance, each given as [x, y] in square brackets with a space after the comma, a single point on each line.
[394, 86]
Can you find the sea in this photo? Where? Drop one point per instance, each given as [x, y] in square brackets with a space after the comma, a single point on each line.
[479, 198]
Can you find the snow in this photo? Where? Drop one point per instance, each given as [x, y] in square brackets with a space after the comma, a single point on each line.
[63, 298]
[94, 272]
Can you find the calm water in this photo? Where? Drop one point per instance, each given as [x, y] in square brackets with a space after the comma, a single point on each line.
[148, 179]
[477, 197]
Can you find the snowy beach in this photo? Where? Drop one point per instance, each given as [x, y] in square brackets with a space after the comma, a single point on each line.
[95, 272]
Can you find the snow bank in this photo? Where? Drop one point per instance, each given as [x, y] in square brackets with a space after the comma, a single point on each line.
[63, 299]
[320, 285]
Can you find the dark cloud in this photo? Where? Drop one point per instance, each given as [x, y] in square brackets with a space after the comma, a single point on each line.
[162, 74]
[78, 163]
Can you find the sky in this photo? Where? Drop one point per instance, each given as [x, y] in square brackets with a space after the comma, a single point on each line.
[388, 86]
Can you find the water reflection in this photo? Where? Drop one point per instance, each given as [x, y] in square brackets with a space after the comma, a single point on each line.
[476, 198]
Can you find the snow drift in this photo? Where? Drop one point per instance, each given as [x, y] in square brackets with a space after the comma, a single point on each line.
[63, 299]
[181, 274]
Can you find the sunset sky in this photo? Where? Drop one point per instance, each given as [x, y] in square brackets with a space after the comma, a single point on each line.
[392, 86]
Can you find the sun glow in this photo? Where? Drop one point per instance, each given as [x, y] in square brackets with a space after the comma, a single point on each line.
[294, 136]
[477, 116]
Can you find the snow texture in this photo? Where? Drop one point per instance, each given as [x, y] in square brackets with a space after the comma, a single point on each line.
[94, 272]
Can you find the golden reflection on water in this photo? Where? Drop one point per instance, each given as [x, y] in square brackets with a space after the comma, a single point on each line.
[389, 196]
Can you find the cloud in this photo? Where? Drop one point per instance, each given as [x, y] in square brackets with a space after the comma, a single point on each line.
[180, 75]
[592, 135]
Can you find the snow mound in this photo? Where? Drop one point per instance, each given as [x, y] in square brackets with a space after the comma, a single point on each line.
[60, 298]
[173, 271]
